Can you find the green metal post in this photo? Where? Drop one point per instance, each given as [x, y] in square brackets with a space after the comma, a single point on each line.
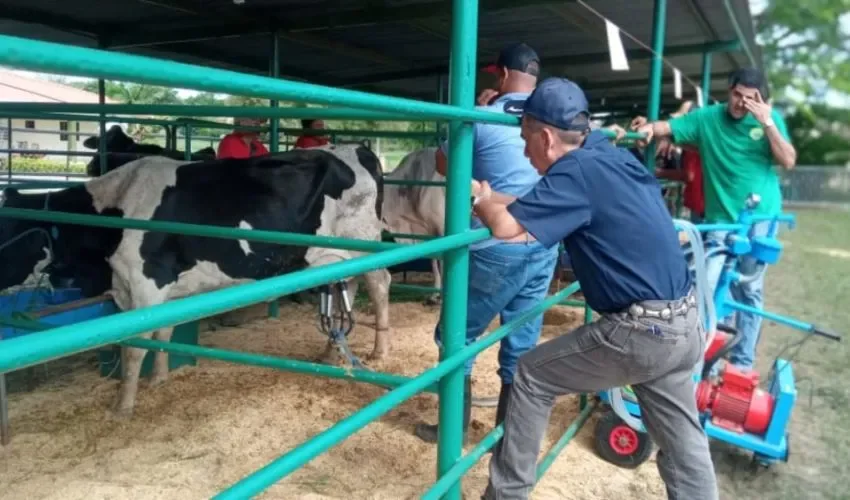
[706, 77]
[187, 138]
[101, 143]
[462, 94]
[659, 21]
[9, 154]
[274, 72]
[274, 134]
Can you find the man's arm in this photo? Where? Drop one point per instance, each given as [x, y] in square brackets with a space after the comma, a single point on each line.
[783, 151]
[442, 162]
[556, 207]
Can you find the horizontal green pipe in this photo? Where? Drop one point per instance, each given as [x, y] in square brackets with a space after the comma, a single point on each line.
[63, 341]
[78, 118]
[403, 287]
[278, 363]
[630, 136]
[41, 184]
[463, 465]
[48, 152]
[50, 57]
[573, 303]
[569, 434]
[198, 230]
[409, 182]
[24, 323]
[205, 110]
[412, 236]
[390, 134]
[285, 465]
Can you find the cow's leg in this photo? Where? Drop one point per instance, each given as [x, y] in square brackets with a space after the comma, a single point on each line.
[378, 286]
[131, 367]
[435, 297]
[160, 361]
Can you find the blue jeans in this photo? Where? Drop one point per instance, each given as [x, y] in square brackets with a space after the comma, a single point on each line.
[750, 294]
[507, 279]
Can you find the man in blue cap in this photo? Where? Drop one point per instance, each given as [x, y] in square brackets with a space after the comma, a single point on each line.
[509, 276]
[608, 210]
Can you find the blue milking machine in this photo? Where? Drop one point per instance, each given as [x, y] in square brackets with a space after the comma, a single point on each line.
[731, 405]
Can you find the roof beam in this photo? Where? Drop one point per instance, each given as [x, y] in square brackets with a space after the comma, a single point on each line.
[640, 82]
[61, 23]
[264, 20]
[553, 62]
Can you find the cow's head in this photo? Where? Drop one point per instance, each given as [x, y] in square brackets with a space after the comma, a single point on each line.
[24, 245]
[72, 256]
[115, 140]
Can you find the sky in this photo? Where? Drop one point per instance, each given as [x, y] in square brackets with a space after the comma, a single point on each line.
[756, 6]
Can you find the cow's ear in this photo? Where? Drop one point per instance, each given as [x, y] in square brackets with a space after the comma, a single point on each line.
[8, 195]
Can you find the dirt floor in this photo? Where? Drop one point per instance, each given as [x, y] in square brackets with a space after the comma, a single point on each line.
[212, 424]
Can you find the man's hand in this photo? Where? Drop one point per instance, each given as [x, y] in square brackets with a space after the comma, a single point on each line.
[637, 122]
[648, 131]
[485, 96]
[481, 191]
[618, 130]
[760, 110]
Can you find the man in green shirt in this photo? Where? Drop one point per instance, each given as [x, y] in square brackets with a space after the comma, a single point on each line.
[741, 143]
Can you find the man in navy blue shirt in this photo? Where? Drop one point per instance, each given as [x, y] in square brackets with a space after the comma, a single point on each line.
[608, 210]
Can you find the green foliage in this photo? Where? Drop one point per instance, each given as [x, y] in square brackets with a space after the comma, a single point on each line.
[805, 47]
[821, 135]
[25, 165]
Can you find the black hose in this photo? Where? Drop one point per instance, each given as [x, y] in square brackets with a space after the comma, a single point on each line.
[736, 339]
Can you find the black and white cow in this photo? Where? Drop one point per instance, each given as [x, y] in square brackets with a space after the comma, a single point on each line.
[331, 190]
[417, 209]
[122, 149]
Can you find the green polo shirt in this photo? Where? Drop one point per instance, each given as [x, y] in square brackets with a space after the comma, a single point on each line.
[736, 160]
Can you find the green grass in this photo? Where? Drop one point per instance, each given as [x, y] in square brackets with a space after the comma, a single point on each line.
[812, 286]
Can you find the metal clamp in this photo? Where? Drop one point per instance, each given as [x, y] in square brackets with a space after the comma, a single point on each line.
[338, 333]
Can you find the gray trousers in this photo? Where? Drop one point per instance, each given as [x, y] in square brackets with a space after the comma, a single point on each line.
[655, 356]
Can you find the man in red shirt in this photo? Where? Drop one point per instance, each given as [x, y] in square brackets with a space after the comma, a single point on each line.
[690, 173]
[311, 141]
[242, 143]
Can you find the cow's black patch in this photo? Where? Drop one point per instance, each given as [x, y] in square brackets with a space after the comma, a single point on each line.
[284, 192]
[370, 161]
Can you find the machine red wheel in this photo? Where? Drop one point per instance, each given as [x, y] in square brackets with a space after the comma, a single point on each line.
[619, 444]
[623, 439]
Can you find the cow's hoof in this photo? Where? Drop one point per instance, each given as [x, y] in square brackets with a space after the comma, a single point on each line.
[376, 356]
[157, 380]
[433, 300]
[121, 414]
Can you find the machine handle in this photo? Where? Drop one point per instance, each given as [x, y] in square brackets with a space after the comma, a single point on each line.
[824, 333]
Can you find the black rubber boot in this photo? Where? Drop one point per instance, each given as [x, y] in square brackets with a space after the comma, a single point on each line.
[430, 433]
[502, 409]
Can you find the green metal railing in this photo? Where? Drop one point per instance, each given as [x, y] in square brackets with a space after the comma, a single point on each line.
[446, 378]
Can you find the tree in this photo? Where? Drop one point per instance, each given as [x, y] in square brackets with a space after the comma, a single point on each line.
[806, 46]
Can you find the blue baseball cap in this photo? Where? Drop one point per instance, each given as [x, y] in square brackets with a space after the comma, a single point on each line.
[558, 102]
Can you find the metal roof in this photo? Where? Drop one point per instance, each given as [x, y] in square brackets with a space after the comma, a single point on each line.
[398, 47]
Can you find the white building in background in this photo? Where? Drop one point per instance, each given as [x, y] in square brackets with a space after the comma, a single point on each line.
[44, 135]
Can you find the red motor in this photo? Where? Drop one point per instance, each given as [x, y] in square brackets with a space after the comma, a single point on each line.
[735, 401]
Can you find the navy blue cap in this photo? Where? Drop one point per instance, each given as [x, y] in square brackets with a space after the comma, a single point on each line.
[558, 102]
[518, 57]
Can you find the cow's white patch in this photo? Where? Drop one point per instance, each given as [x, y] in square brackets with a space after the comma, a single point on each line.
[352, 216]
[243, 244]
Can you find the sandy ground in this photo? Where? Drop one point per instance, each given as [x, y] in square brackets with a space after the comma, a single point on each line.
[212, 424]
